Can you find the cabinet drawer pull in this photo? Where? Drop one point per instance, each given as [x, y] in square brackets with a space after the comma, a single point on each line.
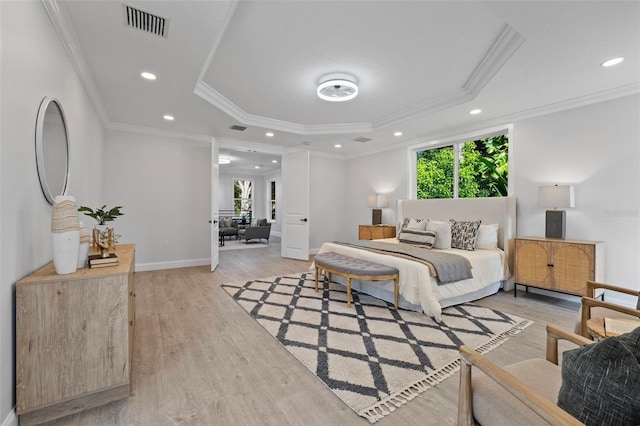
[550, 265]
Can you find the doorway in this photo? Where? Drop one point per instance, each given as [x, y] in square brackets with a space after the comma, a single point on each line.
[249, 189]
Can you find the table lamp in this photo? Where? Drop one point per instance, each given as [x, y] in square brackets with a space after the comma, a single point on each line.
[377, 202]
[556, 197]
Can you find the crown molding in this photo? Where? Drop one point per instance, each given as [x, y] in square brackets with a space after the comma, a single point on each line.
[507, 43]
[151, 131]
[59, 17]
[218, 100]
[241, 145]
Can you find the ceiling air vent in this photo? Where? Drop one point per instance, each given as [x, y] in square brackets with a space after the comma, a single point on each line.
[238, 128]
[145, 21]
[362, 139]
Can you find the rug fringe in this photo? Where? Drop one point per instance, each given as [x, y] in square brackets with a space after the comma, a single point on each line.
[389, 404]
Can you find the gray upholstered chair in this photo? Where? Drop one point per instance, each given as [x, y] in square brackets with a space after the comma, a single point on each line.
[522, 393]
[261, 230]
[594, 308]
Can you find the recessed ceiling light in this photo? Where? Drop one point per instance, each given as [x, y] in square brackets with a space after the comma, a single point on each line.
[338, 145]
[223, 159]
[269, 134]
[274, 161]
[612, 62]
[475, 111]
[257, 167]
[148, 75]
[168, 117]
[397, 134]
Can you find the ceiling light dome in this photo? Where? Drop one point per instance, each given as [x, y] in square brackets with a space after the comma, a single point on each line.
[337, 88]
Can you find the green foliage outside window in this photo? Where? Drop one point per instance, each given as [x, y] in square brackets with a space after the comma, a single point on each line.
[483, 170]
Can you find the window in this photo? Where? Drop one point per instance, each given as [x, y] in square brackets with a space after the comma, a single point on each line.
[242, 194]
[273, 199]
[470, 169]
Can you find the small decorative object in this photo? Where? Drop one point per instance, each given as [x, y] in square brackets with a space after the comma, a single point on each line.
[102, 215]
[85, 243]
[103, 237]
[65, 234]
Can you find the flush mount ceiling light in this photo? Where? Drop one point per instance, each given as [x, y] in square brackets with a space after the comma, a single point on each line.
[337, 88]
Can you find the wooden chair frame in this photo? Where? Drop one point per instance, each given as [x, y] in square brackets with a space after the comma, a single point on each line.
[546, 409]
[589, 301]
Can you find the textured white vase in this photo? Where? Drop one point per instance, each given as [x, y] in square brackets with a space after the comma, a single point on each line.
[85, 245]
[65, 234]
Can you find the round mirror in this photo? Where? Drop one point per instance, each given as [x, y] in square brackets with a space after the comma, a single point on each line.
[52, 149]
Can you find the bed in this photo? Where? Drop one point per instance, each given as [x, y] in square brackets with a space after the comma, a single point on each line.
[419, 290]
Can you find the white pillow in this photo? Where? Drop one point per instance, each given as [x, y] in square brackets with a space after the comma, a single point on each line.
[443, 233]
[417, 224]
[487, 237]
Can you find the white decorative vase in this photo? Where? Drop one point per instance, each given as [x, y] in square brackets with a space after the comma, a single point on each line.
[85, 244]
[65, 234]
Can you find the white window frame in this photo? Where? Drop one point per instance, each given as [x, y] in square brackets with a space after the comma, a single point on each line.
[456, 142]
[272, 201]
[253, 190]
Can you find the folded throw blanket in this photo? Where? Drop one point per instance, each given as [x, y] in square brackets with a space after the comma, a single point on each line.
[446, 267]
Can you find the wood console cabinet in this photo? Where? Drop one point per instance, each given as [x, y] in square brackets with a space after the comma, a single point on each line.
[376, 232]
[74, 338]
[558, 265]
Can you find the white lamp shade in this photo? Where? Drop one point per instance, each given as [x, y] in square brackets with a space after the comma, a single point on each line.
[378, 201]
[557, 197]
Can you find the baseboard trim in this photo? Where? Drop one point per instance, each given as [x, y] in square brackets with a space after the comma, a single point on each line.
[11, 419]
[155, 266]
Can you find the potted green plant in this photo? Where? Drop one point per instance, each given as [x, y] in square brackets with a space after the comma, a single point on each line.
[102, 215]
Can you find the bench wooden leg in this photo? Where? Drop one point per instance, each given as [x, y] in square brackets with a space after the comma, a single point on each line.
[317, 278]
[348, 292]
[396, 291]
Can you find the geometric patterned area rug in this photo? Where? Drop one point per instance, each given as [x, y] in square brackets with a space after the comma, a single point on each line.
[374, 358]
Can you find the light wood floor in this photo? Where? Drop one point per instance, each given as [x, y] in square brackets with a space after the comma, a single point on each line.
[199, 359]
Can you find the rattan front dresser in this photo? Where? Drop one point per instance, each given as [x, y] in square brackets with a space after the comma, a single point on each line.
[558, 265]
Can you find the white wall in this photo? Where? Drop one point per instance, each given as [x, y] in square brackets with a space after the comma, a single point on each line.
[34, 65]
[164, 185]
[385, 173]
[596, 148]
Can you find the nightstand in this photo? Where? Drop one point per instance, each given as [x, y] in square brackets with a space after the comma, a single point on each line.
[375, 232]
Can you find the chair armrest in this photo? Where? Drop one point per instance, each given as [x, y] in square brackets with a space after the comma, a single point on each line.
[546, 409]
[555, 334]
[593, 285]
[588, 303]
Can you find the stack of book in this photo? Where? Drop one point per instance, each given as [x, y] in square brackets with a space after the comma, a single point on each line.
[97, 261]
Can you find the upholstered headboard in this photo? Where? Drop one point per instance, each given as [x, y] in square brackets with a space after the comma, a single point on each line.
[500, 210]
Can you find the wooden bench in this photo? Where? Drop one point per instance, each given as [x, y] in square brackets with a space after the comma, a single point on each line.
[350, 268]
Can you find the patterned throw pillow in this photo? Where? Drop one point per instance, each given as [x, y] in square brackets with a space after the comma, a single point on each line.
[464, 234]
[418, 238]
[409, 223]
[601, 382]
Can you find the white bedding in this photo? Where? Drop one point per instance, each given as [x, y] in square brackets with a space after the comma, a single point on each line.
[418, 289]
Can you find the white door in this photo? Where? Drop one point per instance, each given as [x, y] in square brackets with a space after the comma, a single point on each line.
[295, 185]
[215, 224]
